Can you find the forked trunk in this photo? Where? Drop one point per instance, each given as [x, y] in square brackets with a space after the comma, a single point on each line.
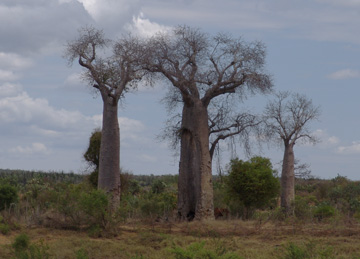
[109, 165]
[288, 180]
[195, 195]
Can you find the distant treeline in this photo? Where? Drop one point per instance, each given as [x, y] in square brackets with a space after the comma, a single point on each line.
[22, 177]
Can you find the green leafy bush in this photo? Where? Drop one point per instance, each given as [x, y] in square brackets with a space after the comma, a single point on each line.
[83, 205]
[308, 250]
[24, 250]
[95, 206]
[252, 184]
[158, 186]
[323, 211]
[21, 242]
[82, 254]
[154, 205]
[8, 195]
[92, 154]
[302, 210]
[197, 250]
[4, 228]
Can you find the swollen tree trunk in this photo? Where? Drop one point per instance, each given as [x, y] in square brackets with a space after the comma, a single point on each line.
[195, 194]
[109, 165]
[288, 180]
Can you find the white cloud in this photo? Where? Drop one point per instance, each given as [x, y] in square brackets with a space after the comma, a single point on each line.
[7, 75]
[21, 108]
[34, 148]
[33, 26]
[33, 127]
[9, 90]
[144, 27]
[333, 140]
[130, 125]
[18, 108]
[319, 20]
[345, 74]
[14, 61]
[325, 139]
[107, 11]
[354, 148]
[74, 79]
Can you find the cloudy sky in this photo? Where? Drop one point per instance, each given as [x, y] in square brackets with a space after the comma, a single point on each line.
[47, 113]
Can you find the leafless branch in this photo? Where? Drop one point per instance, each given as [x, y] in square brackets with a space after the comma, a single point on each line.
[288, 119]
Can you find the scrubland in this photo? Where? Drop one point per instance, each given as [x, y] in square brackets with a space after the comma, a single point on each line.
[69, 219]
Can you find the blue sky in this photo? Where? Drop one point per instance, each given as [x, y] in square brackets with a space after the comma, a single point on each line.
[47, 113]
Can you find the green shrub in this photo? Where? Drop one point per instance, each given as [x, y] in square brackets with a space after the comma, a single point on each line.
[21, 242]
[154, 205]
[252, 183]
[95, 206]
[8, 195]
[39, 195]
[37, 251]
[82, 254]
[302, 210]
[92, 154]
[95, 231]
[93, 178]
[4, 228]
[323, 211]
[82, 205]
[197, 250]
[295, 252]
[24, 250]
[158, 186]
[67, 204]
[308, 250]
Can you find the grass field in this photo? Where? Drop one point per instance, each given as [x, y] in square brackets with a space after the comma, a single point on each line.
[217, 239]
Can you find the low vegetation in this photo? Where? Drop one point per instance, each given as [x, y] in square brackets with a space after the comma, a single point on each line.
[51, 218]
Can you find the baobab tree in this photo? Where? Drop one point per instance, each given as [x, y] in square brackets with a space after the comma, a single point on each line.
[200, 70]
[111, 76]
[287, 118]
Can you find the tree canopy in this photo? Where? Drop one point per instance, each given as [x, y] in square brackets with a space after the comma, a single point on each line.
[252, 183]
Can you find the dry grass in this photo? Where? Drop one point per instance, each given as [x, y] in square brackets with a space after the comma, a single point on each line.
[248, 239]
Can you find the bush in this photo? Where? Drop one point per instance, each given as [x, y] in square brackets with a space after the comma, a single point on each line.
[154, 205]
[8, 195]
[25, 250]
[4, 229]
[323, 211]
[93, 178]
[308, 250]
[95, 206]
[82, 254]
[158, 186]
[21, 242]
[197, 250]
[83, 205]
[302, 209]
[252, 183]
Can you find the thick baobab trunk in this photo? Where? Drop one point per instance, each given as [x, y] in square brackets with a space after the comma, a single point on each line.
[288, 180]
[195, 194]
[109, 165]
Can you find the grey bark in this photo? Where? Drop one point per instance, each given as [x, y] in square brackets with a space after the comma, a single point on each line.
[288, 180]
[195, 196]
[109, 166]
